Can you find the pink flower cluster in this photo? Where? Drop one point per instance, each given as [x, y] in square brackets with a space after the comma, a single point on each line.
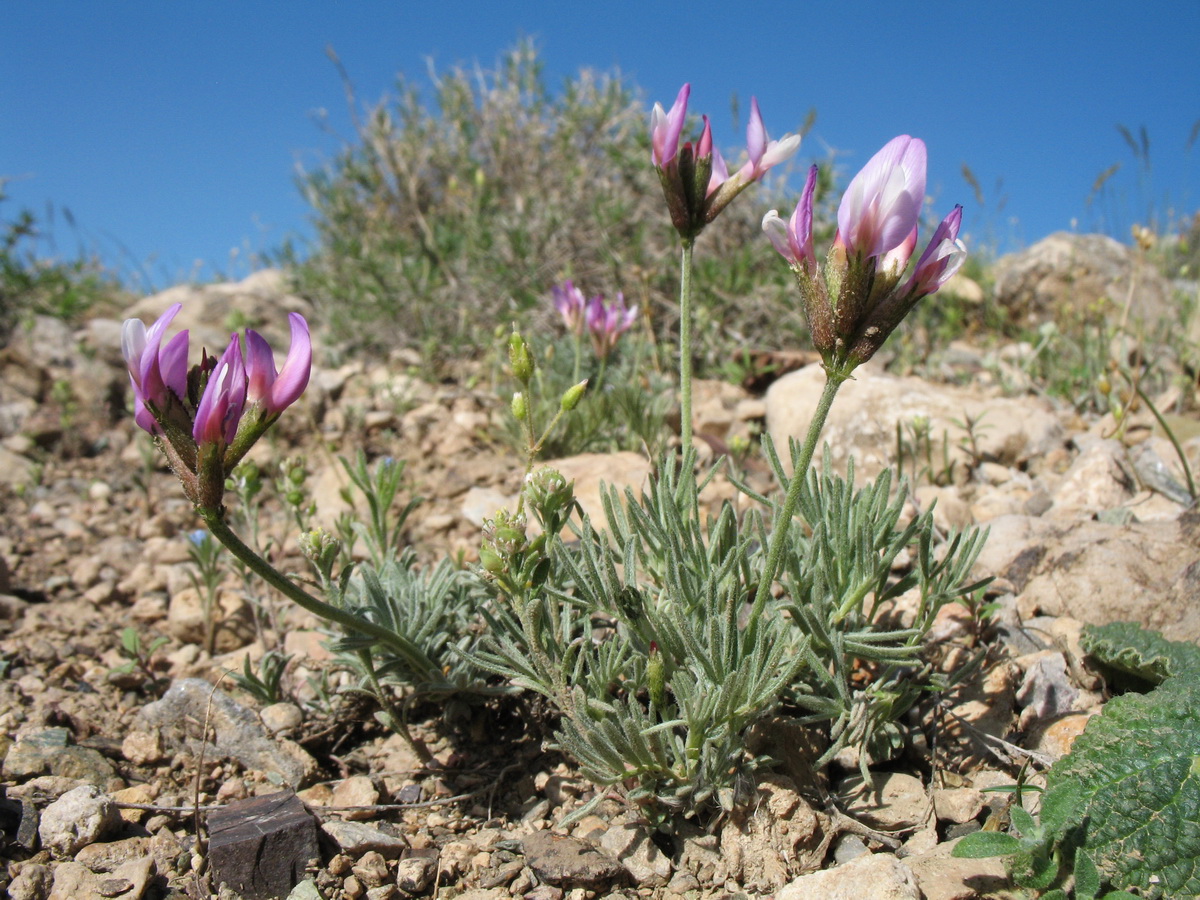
[159, 375]
[855, 299]
[211, 414]
[696, 179]
[604, 322]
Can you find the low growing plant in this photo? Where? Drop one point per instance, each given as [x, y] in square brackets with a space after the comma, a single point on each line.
[661, 637]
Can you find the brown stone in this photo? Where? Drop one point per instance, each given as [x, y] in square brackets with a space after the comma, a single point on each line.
[260, 847]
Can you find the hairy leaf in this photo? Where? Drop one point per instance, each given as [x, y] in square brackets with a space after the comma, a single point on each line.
[1137, 768]
[1146, 654]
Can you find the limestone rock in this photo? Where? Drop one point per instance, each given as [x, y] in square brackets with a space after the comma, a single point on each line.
[239, 732]
[892, 801]
[79, 817]
[878, 876]
[211, 311]
[869, 408]
[1099, 572]
[1071, 273]
[942, 877]
[631, 846]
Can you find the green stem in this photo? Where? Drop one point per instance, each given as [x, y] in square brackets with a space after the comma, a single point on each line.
[272, 576]
[1183, 460]
[783, 521]
[398, 718]
[578, 357]
[685, 344]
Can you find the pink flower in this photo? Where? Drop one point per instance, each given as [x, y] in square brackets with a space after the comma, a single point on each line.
[156, 373]
[665, 128]
[276, 391]
[720, 173]
[794, 240]
[695, 179]
[853, 299]
[224, 399]
[941, 259]
[764, 152]
[607, 322]
[882, 204]
[571, 305]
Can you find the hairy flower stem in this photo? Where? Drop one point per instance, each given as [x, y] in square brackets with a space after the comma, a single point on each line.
[783, 521]
[685, 344]
[215, 521]
[578, 366]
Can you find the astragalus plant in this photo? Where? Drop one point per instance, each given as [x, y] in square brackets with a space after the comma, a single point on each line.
[663, 634]
[662, 639]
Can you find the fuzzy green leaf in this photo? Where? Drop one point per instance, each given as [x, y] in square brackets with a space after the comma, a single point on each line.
[1140, 652]
[1137, 770]
[1087, 877]
[982, 844]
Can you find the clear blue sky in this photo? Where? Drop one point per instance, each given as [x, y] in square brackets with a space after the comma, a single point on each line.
[171, 130]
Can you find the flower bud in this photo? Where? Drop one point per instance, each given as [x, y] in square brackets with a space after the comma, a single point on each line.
[572, 395]
[656, 677]
[520, 406]
[520, 358]
[321, 549]
[491, 561]
[546, 490]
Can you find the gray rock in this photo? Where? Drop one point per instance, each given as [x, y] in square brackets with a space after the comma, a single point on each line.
[1047, 690]
[305, 890]
[414, 874]
[356, 838]
[31, 754]
[1100, 572]
[239, 732]
[567, 861]
[79, 817]
[15, 470]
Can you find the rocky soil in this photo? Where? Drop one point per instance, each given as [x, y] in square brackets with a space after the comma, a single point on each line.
[102, 767]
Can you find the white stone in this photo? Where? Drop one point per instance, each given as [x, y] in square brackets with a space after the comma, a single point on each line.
[79, 817]
[877, 876]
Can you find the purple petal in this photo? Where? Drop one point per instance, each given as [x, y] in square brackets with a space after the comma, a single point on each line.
[800, 229]
[756, 134]
[224, 398]
[666, 127]
[173, 364]
[720, 173]
[883, 202]
[293, 377]
[260, 367]
[942, 258]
